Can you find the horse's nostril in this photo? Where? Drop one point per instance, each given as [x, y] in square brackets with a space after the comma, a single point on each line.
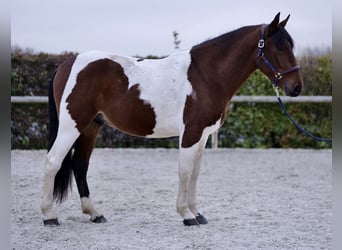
[297, 89]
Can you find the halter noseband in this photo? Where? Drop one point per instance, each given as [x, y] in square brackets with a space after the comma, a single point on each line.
[261, 57]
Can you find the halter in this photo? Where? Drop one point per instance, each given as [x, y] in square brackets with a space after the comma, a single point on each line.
[277, 76]
[261, 57]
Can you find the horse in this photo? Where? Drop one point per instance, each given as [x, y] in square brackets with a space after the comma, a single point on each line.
[185, 94]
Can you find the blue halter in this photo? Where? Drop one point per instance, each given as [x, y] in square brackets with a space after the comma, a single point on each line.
[261, 57]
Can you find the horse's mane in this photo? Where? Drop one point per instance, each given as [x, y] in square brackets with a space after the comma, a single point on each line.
[280, 37]
[226, 37]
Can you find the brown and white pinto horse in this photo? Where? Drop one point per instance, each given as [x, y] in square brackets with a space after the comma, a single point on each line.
[185, 95]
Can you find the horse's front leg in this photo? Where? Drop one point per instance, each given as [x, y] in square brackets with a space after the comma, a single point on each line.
[193, 183]
[189, 167]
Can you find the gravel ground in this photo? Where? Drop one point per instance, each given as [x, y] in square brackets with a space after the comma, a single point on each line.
[253, 199]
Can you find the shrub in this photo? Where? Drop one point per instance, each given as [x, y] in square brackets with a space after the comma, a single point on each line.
[247, 125]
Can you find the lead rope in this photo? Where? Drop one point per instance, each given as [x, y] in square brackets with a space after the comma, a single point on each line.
[295, 123]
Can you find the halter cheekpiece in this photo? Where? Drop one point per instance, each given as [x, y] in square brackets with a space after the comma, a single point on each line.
[261, 57]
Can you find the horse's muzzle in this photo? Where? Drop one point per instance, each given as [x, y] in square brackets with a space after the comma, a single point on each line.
[295, 91]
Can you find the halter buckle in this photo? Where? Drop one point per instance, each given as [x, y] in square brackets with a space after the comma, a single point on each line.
[261, 43]
[278, 76]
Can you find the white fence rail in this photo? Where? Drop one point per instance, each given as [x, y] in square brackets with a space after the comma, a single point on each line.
[264, 99]
[214, 136]
[29, 99]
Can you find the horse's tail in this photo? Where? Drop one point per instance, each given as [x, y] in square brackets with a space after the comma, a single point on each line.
[63, 176]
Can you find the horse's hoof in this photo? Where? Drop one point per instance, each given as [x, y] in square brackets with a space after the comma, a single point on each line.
[191, 222]
[99, 219]
[201, 219]
[51, 222]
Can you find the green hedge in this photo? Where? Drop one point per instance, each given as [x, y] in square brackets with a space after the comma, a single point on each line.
[248, 125]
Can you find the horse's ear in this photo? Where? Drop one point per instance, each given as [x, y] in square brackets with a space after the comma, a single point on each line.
[284, 22]
[272, 27]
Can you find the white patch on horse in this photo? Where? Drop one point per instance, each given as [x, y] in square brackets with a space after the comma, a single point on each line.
[164, 85]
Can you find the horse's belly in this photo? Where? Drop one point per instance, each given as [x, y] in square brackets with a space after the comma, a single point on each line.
[165, 128]
[141, 118]
[138, 127]
[168, 108]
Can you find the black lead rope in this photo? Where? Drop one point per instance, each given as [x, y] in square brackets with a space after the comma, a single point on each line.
[296, 124]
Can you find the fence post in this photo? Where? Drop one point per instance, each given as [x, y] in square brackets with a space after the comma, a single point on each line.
[214, 140]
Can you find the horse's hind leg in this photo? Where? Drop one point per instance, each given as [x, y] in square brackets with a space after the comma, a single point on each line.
[63, 143]
[80, 162]
[67, 134]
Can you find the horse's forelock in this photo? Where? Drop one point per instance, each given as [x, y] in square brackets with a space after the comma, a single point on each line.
[281, 37]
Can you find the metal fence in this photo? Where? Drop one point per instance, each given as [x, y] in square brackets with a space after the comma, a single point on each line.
[214, 136]
[263, 99]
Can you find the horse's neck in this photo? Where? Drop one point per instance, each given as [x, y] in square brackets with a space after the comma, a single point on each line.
[227, 61]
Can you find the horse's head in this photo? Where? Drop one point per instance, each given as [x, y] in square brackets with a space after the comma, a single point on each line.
[276, 59]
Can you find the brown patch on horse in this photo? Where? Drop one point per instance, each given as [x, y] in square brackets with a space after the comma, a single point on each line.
[60, 80]
[201, 109]
[102, 87]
